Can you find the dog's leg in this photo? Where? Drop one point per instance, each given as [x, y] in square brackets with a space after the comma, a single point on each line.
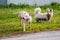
[21, 23]
[24, 29]
[30, 24]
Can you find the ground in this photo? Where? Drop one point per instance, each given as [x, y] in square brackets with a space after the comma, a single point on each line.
[45, 35]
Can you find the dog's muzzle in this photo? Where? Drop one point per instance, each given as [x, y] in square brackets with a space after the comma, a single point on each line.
[26, 20]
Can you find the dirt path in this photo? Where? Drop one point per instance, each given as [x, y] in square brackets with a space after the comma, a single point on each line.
[46, 35]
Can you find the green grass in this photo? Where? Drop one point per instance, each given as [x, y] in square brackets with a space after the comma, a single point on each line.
[10, 23]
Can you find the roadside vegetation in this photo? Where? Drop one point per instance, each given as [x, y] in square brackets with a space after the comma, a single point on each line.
[10, 23]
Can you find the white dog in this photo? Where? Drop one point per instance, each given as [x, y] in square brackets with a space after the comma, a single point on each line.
[43, 16]
[25, 17]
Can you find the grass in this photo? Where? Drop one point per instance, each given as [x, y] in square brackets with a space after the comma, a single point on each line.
[10, 23]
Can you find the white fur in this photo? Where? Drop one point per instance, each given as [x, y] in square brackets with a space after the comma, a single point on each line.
[42, 15]
[23, 16]
[37, 10]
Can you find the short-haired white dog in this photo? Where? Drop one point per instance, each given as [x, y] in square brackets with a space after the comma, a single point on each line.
[24, 18]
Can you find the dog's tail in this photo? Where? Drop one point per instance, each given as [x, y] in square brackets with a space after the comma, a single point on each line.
[16, 13]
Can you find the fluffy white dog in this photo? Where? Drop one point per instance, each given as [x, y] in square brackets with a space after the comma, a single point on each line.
[43, 16]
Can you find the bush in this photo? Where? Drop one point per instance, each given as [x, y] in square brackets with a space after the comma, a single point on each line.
[1, 6]
[23, 5]
[52, 4]
[13, 5]
[55, 5]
